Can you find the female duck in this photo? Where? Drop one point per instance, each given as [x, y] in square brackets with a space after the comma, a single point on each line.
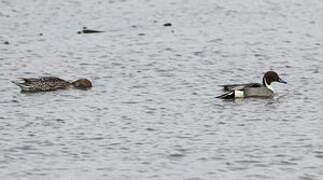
[50, 84]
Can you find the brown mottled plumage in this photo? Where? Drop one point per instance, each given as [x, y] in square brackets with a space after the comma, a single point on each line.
[50, 84]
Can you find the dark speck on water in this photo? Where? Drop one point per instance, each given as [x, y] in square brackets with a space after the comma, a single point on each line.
[167, 24]
[150, 129]
[176, 155]
[6, 42]
[89, 31]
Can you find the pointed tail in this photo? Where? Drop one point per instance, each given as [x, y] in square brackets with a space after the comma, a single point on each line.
[16, 83]
[21, 85]
[228, 95]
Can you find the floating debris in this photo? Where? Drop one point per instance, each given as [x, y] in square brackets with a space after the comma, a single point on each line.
[88, 31]
[6, 42]
[167, 24]
[150, 129]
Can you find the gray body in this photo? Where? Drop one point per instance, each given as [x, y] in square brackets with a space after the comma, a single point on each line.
[262, 91]
[250, 89]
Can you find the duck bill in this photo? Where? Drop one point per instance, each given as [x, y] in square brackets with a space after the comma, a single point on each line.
[282, 81]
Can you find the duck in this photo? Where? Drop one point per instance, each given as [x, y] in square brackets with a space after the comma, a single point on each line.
[246, 90]
[50, 84]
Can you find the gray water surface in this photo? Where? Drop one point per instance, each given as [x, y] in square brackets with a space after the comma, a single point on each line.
[152, 113]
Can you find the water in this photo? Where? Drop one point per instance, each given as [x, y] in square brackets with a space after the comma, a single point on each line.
[152, 113]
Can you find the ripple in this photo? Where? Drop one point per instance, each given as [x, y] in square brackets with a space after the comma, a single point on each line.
[152, 113]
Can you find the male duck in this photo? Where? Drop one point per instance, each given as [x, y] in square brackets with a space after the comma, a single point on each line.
[50, 84]
[252, 89]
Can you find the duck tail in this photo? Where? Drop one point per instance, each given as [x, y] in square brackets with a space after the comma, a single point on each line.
[23, 86]
[17, 83]
[228, 95]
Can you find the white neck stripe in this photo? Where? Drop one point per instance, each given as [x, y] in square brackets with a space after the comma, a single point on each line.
[268, 86]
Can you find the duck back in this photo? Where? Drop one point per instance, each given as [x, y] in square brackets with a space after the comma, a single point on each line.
[42, 84]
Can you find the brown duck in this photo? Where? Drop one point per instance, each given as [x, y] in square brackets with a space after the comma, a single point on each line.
[50, 84]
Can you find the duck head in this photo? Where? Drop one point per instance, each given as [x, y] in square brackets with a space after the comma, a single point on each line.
[270, 77]
[82, 84]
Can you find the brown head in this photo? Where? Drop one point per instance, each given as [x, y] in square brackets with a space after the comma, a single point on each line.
[270, 77]
[82, 84]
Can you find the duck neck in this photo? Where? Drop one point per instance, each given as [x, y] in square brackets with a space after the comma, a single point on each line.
[264, 82]
[73, 83]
